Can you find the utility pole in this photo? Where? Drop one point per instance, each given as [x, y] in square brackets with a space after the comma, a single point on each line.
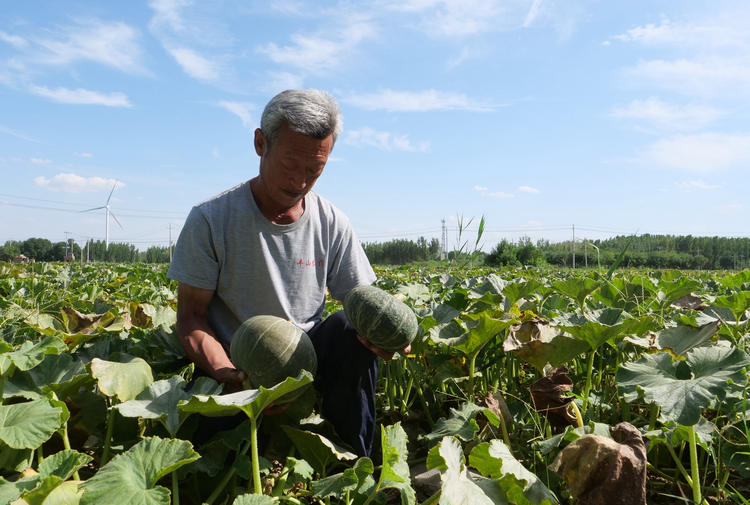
[170, 242]
[574, 246]
[88, 248]
[66, 242]
[585, 254]
[445, 241]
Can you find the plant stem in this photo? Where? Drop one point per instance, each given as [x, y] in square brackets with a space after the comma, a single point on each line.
[654, 415]
[175, 489]
[108, 440]
[694, 465]
[470, 392]
[257, 484]
[425, 407]
[39, 456]
[589, 371]
[432, 499]
[228, 476]
[679, 465]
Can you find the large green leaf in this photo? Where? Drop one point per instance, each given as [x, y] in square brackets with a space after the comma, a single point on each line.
[57, 372]
[131, 477]
[394, 472]
[251, 401]
[495, 460]
[254, 499]
[30, 355]
[317, 450]
[482, 328]
[539, 343]
[122, 379]
[349, 480]
[458, 488]
[577, 289]
[66, 493]
[460, 423]
[53, 472]
[28, 425]
[683, 388]
[738, 303]
[160, 401]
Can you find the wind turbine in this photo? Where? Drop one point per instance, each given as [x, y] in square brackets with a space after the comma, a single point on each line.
[109, 212]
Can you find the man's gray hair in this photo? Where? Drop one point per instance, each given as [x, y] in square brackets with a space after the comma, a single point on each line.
[311, 112]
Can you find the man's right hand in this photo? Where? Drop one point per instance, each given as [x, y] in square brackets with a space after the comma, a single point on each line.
[231, 378]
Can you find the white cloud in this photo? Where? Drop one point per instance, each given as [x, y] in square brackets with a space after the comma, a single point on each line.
[14, 40]
[319, 53]
[703, 153]
[731, 208]
[456, 18]
[705, 75]
[3, 129]
[697, 184]
[40, 161]
[276, 82]
[2, 160]
[83, 155]
[499, 194]
[71, 183]
[16, 159]
[605, 43]
[533, 13]
[111, 44]
[527, 189]
[414, 101]
[195, 65]
[169, 12]
[479, 188]
[669, 116]
[383, 140]
[215, 152]
[711, 33]
[453, 63]
[81, 96]
[240, 109]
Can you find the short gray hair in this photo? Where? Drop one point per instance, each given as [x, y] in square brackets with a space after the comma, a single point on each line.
[311, 112]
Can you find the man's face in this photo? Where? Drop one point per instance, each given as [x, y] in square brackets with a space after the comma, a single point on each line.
[289, 169]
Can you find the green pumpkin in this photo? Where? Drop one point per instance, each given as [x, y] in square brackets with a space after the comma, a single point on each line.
[269, 349]
[382, 318]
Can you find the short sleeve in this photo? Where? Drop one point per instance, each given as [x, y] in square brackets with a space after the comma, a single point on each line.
[349, 267]
[195, 260]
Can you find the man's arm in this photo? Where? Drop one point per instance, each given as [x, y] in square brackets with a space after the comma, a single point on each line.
[198, 339]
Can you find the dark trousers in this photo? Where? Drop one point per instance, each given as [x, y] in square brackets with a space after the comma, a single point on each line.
[349, 373]
[347, 376]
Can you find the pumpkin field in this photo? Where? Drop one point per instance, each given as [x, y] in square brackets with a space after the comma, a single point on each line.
[523, 386]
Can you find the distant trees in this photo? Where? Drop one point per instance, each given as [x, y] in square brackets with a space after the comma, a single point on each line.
[41, 249]
[507, 253]
[402, 251]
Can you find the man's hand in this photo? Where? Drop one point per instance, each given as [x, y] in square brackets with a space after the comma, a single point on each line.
[231, 378]
[386, 355]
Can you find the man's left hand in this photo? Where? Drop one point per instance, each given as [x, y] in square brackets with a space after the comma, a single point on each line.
[386, 355]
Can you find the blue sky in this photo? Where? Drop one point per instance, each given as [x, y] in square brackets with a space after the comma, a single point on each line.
[538, 114]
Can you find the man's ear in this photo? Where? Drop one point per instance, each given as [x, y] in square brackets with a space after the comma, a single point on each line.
[260, 142]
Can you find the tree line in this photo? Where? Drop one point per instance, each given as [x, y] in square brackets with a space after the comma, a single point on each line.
[42, 249]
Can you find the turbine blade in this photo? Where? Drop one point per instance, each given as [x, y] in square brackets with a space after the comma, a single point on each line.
[110, 213]
[110, 193]
[95, 208]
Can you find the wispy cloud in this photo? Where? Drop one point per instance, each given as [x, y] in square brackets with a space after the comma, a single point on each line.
[168, 12]
[71, 183]
[457, 18]
[730, 208]
[15, 40]
[40, 161]
[533, 13]
[275, 82]
[383, 140]
[111, 44]
[215, 152]
[707, 34]
[704, 75]
[8, 131]
[240, 109]
[527, 189]
[83, 155]
[195, 65]
[321, 52]
[698, 185]
[81, 96]
[668, 116]
[499, 194]
[706, 152]
[415, 101]
[479, 188]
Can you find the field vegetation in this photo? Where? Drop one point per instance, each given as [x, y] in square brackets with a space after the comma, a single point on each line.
[519, 381]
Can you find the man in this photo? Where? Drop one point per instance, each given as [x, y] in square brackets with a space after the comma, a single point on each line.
[271, 246]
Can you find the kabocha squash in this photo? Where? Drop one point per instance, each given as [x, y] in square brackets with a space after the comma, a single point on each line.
[270, 349]
[380, 317]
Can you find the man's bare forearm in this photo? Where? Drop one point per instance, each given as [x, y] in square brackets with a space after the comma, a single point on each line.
[203, 348]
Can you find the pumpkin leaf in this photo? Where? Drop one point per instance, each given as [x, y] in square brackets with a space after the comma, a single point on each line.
[495, 460]
[683, 388]
[125, 379]
[30, 355]
[460, 424]
[131, 477]
[28, 425]
[65, 493]
[254, 499]
[316, 449]
[458, 487]
[160, 401]
[251, 401]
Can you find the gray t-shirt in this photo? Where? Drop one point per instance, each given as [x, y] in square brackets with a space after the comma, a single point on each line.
[256, 267]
